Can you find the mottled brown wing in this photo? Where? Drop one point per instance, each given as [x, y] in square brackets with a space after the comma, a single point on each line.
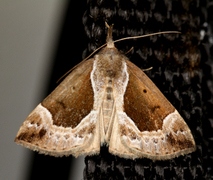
[153, 127]
[63, 123]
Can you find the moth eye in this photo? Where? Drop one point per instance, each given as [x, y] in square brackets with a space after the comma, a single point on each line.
[145, 91]
[73, 88]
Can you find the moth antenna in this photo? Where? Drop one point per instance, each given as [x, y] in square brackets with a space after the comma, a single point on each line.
[66, 74]
[147, 69]
[146, 35]
[129, 50]
[106, 24]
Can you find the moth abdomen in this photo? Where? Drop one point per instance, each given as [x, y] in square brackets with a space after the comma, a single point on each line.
[108, 104]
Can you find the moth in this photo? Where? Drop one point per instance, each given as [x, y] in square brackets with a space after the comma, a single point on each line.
[107, 100]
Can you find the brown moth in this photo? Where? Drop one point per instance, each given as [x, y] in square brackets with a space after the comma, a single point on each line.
[107, 100]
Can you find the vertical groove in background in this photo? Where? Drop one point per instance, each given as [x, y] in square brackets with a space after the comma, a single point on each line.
[68, 53]
[178, 70]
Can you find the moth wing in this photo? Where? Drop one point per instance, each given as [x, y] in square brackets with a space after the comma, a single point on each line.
[150, 126]
[64, 123]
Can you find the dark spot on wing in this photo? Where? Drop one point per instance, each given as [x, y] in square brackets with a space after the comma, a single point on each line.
[171, 139]
[155, 107]
[179, 142]
[67, 136]
[28, 137]
[123, 130]
[42, 132]
[62, 104]
[91, 128]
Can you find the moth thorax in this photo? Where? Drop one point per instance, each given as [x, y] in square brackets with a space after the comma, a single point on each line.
[108, 103]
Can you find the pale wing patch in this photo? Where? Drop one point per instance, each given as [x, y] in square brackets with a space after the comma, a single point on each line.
[38, 133]
[116, 147]
[173, 140]
[98, 85]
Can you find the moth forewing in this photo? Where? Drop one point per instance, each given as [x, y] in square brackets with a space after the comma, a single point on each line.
[152, 128]
[64, 122]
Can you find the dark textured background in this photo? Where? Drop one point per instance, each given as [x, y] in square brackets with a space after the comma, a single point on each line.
[182, 70]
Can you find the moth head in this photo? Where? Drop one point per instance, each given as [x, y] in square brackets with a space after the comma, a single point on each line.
[109, 40]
